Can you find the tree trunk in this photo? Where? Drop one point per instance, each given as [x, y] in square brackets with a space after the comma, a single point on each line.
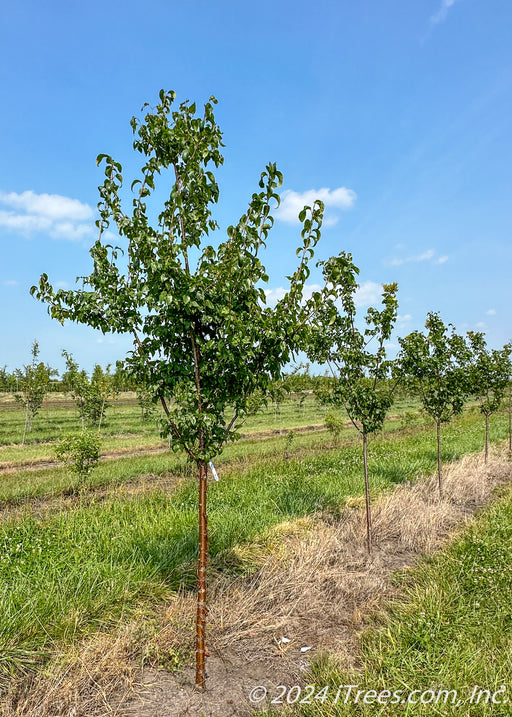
[486, 437]
[25, 428]
[439, 467]
[367, 494]
[101, 415]
[202, 610]
[510, 422]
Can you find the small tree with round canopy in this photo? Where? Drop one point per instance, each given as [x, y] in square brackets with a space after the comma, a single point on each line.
[356, 357]
[489, 375]
[434, 366]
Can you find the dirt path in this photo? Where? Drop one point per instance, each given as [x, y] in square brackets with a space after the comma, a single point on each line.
[316, 588]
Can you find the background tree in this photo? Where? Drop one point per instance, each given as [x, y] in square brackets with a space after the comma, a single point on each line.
[81, 452]
[8, 381]
[433, 365]
[32, 383]
[203, 335]
[76, 382]
[102, 390]
[358, 371]
[147, 402]
[489, 375]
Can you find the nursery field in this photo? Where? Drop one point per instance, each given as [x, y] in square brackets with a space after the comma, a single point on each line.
[73, 565]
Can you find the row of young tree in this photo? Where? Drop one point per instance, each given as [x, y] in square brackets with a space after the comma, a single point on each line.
[441, 368]
[92, 394]
[206, 344]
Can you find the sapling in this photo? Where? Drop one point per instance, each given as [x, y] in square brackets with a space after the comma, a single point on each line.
[434, 366]
[32, 386]
[203, 334]
[81, 452]
[489, 375]
[356, 357]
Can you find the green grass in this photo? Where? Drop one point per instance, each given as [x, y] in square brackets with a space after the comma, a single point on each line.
[463, 436]
[67, 574]
[123, 422]
[452, 630]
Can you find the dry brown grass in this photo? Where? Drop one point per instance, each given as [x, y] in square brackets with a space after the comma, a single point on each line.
[81, 684]
[315, 585]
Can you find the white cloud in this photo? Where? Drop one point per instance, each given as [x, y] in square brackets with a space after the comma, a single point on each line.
[53, 206]
[60, 217]
[292, 203]
[368, 293]
[402, 320]
[10, 282]
[480, 325]
[491, 312]
[275, 295]
[440, 15]
[429, 255]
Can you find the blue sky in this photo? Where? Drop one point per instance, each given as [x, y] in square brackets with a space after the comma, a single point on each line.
[397, 113]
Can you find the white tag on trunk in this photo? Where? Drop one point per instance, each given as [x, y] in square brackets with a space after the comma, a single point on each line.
[214, 472]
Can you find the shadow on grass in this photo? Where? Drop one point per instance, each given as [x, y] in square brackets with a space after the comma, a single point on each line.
[238, 513]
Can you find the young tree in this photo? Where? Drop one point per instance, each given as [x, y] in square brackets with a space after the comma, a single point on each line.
[489, 375]
[77, 382]
[202, 332]
[102, 390]
[81, 452]
[7, 380]
[434, 366]
[145, 399]
[357, 369]
[32, 382]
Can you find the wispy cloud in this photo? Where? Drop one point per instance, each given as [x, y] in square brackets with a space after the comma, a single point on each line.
[10, 282]
[335, 200]
[402, 320]
[429, 255]
[441, 14]
[59, 217]
[368, 293]
[491, 312]
[275, 295]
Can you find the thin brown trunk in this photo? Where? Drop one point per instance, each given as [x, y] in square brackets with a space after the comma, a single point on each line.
[367, 493]
[439, 466]
[25, 428]
[510, 421]
[101, 416]
[486, 437]
[202, 610]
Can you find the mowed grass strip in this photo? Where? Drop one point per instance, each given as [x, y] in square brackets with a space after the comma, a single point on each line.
[446, 645]
[85, 568]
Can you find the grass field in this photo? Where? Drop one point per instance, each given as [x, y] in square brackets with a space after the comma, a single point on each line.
[69, 567]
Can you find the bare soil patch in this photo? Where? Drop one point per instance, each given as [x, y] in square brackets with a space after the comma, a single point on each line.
[315, 587]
